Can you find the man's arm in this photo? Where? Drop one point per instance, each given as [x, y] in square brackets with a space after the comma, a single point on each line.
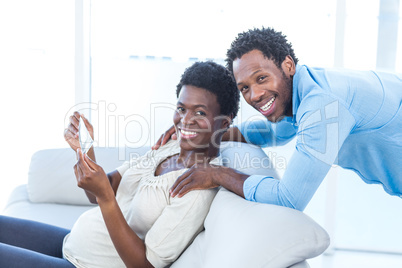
[321, 134]
[233, 134]
[324, 125]
[264, 133]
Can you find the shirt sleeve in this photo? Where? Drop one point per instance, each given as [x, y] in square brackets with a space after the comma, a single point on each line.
[177, 226]
[264, 133]
[320, 135]
[123, 168]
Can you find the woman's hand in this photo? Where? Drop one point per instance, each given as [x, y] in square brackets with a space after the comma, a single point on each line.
[169, 134]
[71, 133]
[92, 178]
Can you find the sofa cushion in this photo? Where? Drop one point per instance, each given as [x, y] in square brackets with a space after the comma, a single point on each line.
[247, 158]
[51, 176]
[272, 236]
[60, 215]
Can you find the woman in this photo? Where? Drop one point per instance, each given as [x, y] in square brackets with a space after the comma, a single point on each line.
[137, 222]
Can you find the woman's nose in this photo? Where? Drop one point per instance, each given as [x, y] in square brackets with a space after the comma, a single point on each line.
[187, 118]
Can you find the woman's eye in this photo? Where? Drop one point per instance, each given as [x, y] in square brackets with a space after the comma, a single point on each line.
[261, 78]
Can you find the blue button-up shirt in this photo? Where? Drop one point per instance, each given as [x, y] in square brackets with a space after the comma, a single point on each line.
[349, 118]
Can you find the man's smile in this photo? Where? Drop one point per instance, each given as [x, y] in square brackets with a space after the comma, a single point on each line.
[268, 107]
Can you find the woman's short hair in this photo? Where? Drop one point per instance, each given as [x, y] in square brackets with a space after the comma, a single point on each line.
[216, 79]
[272, 44]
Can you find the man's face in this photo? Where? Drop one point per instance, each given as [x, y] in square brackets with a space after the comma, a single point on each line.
[265, 86]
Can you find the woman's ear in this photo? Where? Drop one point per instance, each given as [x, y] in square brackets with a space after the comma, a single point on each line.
[227, 121]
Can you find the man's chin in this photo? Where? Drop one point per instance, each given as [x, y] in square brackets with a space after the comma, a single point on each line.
[275, 119]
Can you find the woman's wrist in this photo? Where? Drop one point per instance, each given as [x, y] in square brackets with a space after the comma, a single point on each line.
[106, 198]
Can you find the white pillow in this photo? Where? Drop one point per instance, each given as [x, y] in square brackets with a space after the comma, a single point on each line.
[240, 233]
[51, 176]
[247, 158]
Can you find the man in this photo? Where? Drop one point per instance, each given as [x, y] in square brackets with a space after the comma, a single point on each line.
[349, 118]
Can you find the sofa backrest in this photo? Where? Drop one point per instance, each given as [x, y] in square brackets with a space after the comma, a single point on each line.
[51, 176]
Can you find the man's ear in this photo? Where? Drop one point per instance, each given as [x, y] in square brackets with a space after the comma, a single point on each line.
[289, 66]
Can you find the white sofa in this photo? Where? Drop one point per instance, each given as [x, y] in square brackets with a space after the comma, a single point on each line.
[238, 233]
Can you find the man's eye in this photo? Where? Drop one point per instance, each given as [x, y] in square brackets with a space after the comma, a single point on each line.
[201, 113]
[243, 89]
[261, 78]
[180, 109]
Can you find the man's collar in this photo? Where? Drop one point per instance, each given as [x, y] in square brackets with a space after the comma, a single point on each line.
[295, 94]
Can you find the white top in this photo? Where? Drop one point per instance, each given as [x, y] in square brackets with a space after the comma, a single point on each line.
[167, 225]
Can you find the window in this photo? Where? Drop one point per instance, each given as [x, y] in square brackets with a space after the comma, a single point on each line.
[139, 49]
[37, 82]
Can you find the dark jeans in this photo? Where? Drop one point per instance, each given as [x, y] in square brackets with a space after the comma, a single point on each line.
[26, 243]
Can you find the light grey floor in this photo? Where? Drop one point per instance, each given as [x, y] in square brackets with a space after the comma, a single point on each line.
[345, 259]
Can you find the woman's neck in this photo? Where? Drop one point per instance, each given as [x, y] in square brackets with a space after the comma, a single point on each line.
[189, 158]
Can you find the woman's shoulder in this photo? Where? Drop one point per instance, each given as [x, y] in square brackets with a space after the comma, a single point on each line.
[172, 147]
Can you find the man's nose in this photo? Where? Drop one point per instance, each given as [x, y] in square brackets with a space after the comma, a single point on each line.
[256, 94]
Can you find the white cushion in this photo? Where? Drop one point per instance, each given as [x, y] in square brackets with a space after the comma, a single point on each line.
[60, 215]
[51, 176]
[239, 233]
[247, 158]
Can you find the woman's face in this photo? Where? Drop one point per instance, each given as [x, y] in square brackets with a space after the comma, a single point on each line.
[197, 119]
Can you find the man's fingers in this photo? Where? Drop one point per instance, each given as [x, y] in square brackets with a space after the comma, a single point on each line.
[158, 143]
[185, 189]
[179, 188]
[180, 183]
[168, 135]
[179, 179]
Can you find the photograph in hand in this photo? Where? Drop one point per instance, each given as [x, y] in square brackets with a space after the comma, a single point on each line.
[85, 138]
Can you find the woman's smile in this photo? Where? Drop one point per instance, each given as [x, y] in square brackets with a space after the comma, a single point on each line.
[187, 134]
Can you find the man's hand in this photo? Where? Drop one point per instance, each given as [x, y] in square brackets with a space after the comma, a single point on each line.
[92, 178]
[206, 176]
[71, 132]
[198, 177]
[169, 134]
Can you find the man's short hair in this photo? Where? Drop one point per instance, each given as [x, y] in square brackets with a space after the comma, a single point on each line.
[272, 44]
